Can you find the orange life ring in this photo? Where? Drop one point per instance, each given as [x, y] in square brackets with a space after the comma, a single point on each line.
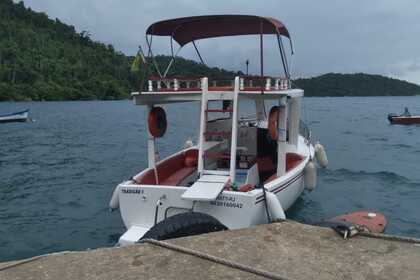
[157, 122]
[273, 122]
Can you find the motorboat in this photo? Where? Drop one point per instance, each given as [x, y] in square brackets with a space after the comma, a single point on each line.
[403, 119]
[21, 116]
[243, 171]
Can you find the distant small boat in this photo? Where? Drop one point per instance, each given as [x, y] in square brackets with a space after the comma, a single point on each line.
[401, 119]
[21, 116]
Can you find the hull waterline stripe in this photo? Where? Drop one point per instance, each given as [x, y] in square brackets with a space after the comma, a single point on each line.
[282, 187]
[276, 188]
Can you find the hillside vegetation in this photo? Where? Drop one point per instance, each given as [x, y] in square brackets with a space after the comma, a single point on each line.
[356, 85]
[45, 59]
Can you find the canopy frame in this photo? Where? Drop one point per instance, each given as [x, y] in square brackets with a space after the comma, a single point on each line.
[241, 25]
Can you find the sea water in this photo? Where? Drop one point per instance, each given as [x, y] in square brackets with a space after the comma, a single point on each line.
[57, 173]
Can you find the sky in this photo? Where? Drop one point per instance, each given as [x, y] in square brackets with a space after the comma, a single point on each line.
[343, 36]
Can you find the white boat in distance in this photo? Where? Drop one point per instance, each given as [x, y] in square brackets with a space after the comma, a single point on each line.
[242, 172]
[21, 116]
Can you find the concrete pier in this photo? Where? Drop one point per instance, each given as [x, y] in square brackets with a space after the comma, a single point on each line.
[290, 250]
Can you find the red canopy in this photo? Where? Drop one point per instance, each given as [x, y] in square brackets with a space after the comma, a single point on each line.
[187, 29]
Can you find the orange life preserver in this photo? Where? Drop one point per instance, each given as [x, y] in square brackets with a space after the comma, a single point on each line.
[157, 122]
[273, 122]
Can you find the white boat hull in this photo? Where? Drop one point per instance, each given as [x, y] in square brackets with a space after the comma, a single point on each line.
[142, 206]
[16, 117]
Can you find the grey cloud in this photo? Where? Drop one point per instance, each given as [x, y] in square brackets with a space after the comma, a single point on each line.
[376, 36]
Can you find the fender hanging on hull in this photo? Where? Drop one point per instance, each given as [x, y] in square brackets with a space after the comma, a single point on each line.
[274, 207]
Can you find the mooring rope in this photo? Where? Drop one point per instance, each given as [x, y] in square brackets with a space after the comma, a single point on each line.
[18, 263]
[214, 259]
[390, 237]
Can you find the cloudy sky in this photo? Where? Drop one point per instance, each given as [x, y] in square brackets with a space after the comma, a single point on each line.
[347, 36]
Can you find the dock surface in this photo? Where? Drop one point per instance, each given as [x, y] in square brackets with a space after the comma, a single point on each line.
[290, 250]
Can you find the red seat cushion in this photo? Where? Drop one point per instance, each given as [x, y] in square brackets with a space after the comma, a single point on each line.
[191, 158]
[147, 178]
[177, 177]
[171, 171]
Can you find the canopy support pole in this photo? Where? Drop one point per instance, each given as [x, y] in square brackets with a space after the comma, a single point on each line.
[283, 56]
[150, 54]
[171, 62]
[199, 55]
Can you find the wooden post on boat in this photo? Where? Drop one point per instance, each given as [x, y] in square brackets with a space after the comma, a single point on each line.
[281, 141]
[294, 120]
[151, 152]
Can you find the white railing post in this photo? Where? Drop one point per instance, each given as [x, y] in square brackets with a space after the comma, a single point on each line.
[159, 84]
[203, 120]
[284, 84]
[176, 84]
[277, 84]
[150, 85]
[268, 84]
[234, 131]
[241, 84]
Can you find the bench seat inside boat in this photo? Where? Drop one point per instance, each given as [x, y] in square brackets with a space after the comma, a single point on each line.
[172, 171]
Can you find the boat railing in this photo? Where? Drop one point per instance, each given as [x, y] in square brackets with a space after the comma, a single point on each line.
[174, 84]
[246, 83]
[265, 83]
[304, 130]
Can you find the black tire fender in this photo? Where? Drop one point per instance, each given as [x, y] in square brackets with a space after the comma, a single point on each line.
[184, 224]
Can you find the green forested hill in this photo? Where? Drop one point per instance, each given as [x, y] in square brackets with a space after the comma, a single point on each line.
[44, 59]
[356, 85]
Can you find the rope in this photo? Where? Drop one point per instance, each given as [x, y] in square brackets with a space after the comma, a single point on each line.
[18, 263]
[266, 205]
[246, 268]
[390, 237]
